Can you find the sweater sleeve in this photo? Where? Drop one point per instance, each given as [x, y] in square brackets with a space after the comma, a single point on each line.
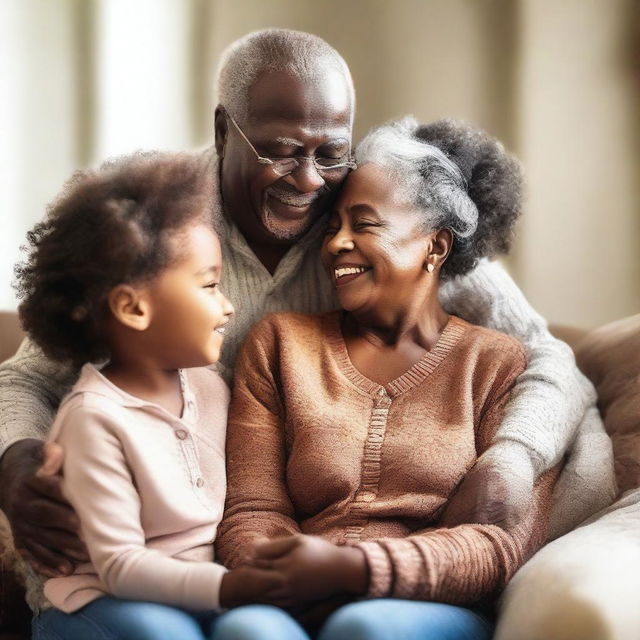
[551, 397]
[465, 563]
[99, 485]
[31, 387]
[258, 505]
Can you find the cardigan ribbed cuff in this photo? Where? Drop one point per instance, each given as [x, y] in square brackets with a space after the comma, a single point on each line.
[380, 569]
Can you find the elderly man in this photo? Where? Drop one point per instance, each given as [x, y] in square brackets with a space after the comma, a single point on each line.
[282, 143]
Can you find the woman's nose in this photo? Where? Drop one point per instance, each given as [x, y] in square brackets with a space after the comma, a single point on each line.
[341, 242]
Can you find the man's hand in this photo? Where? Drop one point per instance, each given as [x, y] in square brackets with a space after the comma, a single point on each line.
[490, 494]
[311, 569]
[45, 527]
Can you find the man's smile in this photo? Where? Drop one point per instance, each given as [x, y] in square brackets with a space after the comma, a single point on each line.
[292, 197]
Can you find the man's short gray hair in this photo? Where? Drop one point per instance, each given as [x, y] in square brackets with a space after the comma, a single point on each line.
[301, 54]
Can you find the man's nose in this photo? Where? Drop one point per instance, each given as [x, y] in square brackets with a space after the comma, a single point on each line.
[306, 176]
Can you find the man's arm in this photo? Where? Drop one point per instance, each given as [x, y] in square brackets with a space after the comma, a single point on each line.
[31, 387]
[551, 397]
[543, 420]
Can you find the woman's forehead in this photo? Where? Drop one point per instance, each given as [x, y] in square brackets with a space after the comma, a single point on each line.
[370, 184]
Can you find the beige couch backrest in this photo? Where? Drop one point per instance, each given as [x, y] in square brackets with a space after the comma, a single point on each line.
[10, 334]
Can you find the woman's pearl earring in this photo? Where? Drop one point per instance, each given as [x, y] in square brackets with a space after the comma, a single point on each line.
[430, 267]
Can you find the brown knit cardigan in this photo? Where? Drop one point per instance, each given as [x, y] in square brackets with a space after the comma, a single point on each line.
[316, 447]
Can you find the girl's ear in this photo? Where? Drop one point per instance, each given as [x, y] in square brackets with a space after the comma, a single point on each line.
[438, 249]
[130, 306]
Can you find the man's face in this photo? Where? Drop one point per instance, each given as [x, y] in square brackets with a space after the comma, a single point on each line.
[287, 117]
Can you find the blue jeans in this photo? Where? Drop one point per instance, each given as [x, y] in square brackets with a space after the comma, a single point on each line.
[111, 619]
[367, 620]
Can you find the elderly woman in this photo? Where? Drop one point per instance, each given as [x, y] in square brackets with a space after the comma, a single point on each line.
[350, 432]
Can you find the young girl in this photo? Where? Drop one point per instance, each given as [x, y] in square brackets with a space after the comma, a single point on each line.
[125, 269]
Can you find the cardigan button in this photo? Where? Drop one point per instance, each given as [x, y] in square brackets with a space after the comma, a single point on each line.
[200, 483]
[181, 434]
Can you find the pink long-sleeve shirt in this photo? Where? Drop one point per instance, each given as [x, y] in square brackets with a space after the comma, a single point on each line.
[149, 489]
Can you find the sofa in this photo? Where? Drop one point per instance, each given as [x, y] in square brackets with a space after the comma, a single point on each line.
[610, 357]
[585, 585]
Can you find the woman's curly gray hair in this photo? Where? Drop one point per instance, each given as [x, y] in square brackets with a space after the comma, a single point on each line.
[460, 177]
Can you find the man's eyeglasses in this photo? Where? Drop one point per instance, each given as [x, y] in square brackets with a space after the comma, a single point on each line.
[285, 166]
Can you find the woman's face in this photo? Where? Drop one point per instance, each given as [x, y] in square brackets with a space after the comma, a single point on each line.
[375, 248]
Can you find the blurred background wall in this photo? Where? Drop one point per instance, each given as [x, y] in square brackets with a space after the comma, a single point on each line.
[557, 80]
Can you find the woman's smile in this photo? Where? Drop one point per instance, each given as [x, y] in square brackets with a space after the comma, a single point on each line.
[346, 272]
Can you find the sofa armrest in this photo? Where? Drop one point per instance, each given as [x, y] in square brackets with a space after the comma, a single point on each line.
[571, 335]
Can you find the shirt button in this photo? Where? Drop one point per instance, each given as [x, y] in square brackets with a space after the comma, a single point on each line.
[181, 434]
[200, 483]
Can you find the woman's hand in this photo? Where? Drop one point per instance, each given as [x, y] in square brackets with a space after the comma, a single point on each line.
[45, 527]
[311, 569]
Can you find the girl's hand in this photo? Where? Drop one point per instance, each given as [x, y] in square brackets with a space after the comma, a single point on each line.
[248, 585]
[311, 569]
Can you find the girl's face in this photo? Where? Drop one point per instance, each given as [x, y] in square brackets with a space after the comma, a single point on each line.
[375, 247]
[190, 310]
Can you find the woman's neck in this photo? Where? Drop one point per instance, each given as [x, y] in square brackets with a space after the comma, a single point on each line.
[420, 322]
[384, 344]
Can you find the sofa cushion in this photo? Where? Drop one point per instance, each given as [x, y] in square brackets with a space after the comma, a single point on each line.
[610, 357]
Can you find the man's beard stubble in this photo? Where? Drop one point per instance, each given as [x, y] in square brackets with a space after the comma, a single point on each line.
[292, 230]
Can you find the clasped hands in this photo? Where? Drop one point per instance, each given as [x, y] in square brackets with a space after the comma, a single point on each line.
[295, 571]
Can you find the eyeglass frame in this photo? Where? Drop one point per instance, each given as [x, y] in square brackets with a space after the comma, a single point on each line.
[273, 162]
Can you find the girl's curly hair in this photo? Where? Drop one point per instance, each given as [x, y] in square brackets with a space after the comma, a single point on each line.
[108, 226]
[462, 178]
